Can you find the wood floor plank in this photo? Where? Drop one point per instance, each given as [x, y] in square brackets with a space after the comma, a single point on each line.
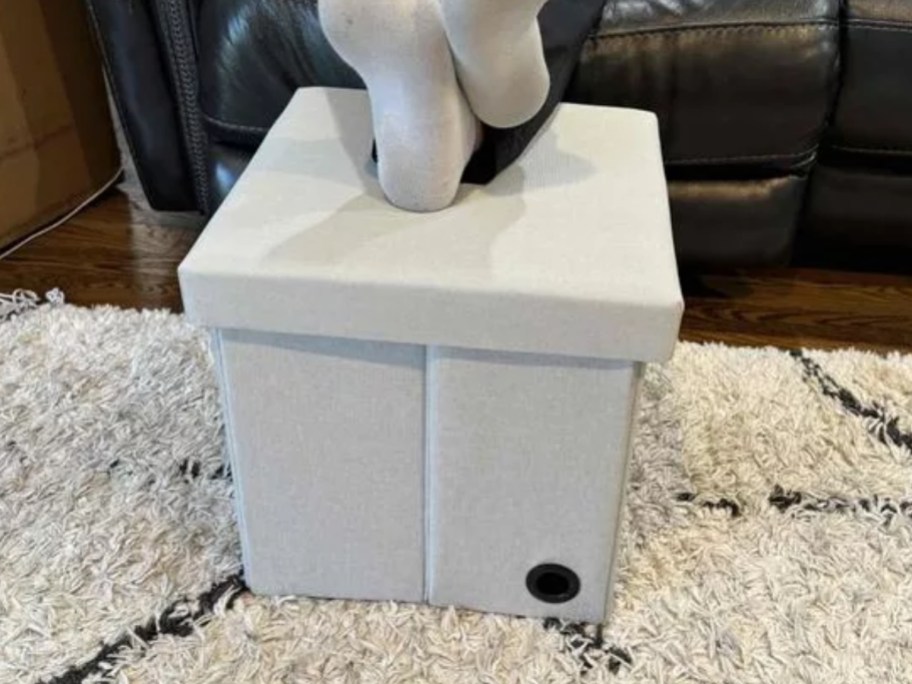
[801, 307]
[115, 252]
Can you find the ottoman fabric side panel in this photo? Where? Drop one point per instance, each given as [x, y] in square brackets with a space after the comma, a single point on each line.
[230, 443]
[639, 369]
[527, 459]
[328, 450]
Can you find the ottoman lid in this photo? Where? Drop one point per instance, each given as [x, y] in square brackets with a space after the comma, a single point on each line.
[569, 251]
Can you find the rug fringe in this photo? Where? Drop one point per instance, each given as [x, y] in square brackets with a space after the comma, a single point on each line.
[19, 301]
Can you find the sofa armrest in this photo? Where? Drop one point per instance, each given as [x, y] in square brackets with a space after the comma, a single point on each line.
[144, 99]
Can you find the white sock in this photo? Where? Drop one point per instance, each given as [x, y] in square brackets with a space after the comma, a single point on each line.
[500, 61]
[423, 127]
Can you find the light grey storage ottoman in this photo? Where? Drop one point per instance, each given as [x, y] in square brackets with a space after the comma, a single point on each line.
[437, 407]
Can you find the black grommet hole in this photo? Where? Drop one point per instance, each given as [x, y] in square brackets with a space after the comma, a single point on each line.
[552, 583]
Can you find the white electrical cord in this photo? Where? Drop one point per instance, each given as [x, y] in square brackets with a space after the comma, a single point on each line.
[63, 219]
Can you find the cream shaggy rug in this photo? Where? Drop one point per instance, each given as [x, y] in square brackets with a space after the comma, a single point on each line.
[768, 536]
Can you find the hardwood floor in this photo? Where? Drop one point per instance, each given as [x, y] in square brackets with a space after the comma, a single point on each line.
[120, 252]
[801, 307]
[117, 251]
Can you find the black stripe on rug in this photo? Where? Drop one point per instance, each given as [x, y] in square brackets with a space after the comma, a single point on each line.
[192, 470]
[733, 508]
[874, 416]
[585, 643]
[178, 619]
[786, 499]
[883, 506]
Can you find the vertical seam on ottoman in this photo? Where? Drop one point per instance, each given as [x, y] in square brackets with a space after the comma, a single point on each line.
[218, 351]
[428, 426]
[639, 371]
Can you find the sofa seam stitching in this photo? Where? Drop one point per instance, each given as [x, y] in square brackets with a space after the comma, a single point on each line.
[879, 26]
[216, 121]
[186, 85]
[898, 151]
[748, 157]
[720, 28]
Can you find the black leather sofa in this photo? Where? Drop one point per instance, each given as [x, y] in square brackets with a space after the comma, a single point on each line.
[782, 120]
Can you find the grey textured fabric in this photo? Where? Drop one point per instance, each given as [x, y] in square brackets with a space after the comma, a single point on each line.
[526, 466]
[327, 447]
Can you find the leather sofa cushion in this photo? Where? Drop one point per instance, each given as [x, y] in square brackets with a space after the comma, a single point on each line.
[653, 14]
[862, 206]
[735, 222]
[899, 11]
[225, 165]
[253, 54]
[872, 114]
[734, 82]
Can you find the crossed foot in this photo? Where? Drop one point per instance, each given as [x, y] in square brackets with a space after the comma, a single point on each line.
[434, 69]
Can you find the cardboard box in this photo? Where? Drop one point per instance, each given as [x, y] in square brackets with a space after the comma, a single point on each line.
[57, 146]
[437, 406]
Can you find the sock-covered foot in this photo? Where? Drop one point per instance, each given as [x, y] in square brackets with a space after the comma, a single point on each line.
[424, 130]
[497, 48]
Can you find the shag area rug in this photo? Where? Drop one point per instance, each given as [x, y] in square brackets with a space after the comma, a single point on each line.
[768, 534]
